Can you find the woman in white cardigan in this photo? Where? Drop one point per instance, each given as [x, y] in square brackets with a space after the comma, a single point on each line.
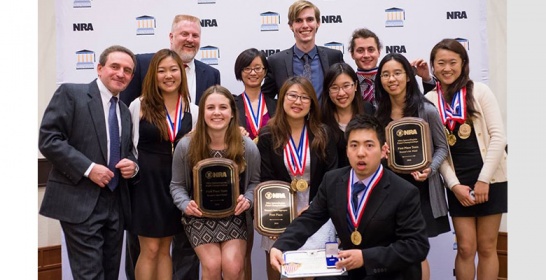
[475, 170]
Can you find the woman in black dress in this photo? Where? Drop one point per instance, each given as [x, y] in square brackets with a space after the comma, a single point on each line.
[475, 172]
[161, 116]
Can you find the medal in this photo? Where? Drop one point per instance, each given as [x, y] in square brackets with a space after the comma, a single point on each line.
[451, 139]
[293, 185]
[464, 131]
[255, 140]
[356, 238]
[301, 185]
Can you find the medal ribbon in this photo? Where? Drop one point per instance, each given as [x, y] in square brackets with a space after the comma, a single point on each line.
[454, 113]
[255, 120]
[297, 157]
[175, 126]
[355, 215]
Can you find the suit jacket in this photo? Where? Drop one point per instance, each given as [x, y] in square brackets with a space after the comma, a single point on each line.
[72, 136]
[270, 103]
[394, 237]
[281, 67]
[273, 167]
[205, 76]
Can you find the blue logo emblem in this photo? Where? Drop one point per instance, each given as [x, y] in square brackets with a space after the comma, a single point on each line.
[145, 25]
[395, 17]
[85, 59]
[210, 55]
[270, 21]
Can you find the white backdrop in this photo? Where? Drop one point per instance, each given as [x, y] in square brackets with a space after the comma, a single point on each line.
[85, 28]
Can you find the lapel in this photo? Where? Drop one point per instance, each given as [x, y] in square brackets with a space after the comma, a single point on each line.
[96, 111]
[340, 203]
[378, 195]
[200, 81]
[240, 103]
[289, 53]
[323, 59]
[314, 158]
[271, 105]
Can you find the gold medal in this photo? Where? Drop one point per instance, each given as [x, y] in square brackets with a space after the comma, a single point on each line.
[172, 147]
[451, 139]
[356, 238]
[255, 140]
[293, 185]
[464, 131]
[301, 185]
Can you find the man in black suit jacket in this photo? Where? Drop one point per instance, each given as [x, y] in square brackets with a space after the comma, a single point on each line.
[80, 191]
[304, 21]
[390, 239]
[185, 39]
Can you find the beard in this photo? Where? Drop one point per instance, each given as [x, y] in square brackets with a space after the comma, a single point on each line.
[187, 56]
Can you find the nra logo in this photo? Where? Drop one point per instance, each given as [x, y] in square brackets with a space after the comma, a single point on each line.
[457, 15]
[395, 49]
[269, 52]
[82, 27]
[209, 23]
[331, 19]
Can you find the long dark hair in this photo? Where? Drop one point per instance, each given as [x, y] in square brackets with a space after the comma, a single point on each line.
[328, 109]
[463, 80]
[414, 97]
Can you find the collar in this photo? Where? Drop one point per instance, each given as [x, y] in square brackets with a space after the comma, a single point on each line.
[299, 53]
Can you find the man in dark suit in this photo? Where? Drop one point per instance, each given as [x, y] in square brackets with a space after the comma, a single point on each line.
[185, 39]
[87, 138]
[304, 21]
[382, 233]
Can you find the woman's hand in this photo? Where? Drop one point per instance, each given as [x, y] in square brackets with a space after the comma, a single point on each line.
[243, 131]
[481, 191]
[243, 204]
[193, 210]
[462, 192]
[421, 175]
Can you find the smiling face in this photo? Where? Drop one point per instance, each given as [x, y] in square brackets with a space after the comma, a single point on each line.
[305, 26]
[218, 112]
[365, 152]
[117, 72]
[254, 79]
[447, 66]
[393, 78]
[169, 75]
[297, 103]
[346, 86]
[185, 39]
[365, 53]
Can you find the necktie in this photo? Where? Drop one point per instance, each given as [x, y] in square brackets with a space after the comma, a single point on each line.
[115, 149]
[306, 67]
[357, 188]
[367, 94]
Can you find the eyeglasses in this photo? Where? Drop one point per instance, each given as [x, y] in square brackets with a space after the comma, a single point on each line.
[294, 97]
[346, 88]
[258, 69]
[396, 75]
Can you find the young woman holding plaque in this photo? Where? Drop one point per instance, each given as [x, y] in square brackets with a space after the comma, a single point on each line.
[161, 116]
[220, 243]
[341, 101]
[475, 171]
[295, 148]
[398, 96]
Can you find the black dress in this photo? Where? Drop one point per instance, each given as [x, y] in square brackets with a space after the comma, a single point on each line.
[468, 164]
[153, 211]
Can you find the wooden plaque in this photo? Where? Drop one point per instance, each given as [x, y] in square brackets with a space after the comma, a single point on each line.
[216, 186]
[410, 145]
[274, 207]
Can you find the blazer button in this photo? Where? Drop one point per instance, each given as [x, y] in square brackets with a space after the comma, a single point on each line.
[492, 180]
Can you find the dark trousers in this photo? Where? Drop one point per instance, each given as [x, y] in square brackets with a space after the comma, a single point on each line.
[94, 246]
[185, 261]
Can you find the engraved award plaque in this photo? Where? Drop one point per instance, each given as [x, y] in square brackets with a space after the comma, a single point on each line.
[274, 207]
[216, 186]
[410, 145]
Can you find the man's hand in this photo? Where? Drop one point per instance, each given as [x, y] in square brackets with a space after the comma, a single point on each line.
[350, 259]
[275, 258]
[127, 168]
[101, 175]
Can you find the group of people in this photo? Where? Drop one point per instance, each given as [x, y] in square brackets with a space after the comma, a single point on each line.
[303, 115]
